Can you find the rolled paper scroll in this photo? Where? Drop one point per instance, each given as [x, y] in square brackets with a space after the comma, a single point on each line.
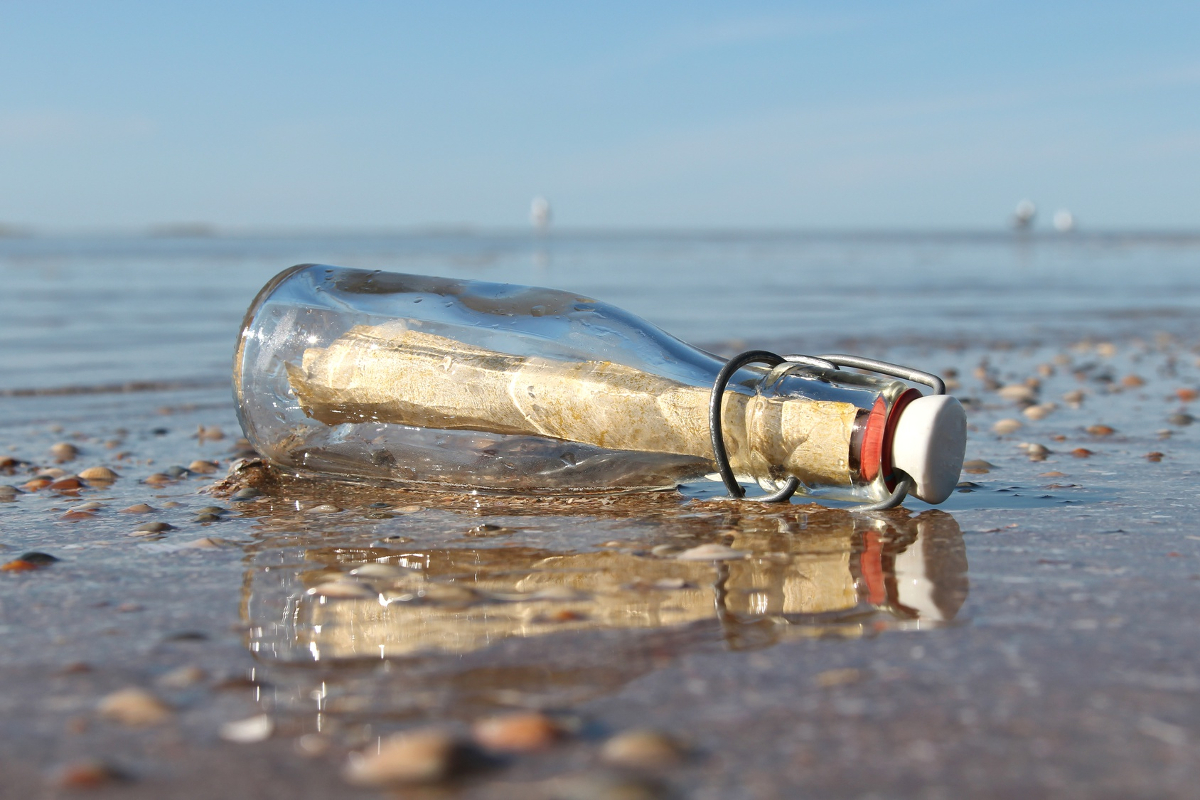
[388, 373]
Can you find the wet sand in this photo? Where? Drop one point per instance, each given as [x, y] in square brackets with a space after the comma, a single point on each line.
[1033, 636]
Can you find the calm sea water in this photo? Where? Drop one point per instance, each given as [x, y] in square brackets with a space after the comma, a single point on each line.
[103, 311]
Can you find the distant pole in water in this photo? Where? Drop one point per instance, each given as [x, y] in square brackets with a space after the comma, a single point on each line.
[539, 214]
[1023, 217]
[1064, 221]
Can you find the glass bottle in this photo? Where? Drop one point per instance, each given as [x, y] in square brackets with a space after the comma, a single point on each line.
[453, 384]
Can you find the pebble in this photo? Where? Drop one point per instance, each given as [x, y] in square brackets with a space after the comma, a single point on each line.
[203, 467]
[1006, 426]
[8, 493]
[521, 732]
[488, 529]
[211, 433]
[1154, 457]
[711, 552]
[1018, 393]
[1074, 397]
[1181, 419]
[641, 749]
[206, 518]
[1036, 452]
[1040, 411]
[139, 508]
[88, 773]
[242, 495]
[29, 561]
[424, 756]
[1101, 430]
[248, 731]
[134, 707]
[218, 510]
[154, 527]
[177, 471]
[182, 677]
[64, 451]
[99, 475]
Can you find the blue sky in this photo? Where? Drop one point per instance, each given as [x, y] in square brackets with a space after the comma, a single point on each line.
[881, 115]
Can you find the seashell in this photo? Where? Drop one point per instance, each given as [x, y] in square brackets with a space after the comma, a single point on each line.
[520, 732]
[203, 467]
[1154, 457]
[157, 479]
[1101, 430]
[139, 508]
[64, 451]
[99, 475]
[52, 473]
[134, 707]
[641, 749]
[1004, 427]
[37, 484]
[1133, 381]
[1018, 393]
[711, 552]
[422, 756]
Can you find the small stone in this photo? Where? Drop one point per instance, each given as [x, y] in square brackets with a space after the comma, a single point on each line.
[209, 434]
[1018, 393]
[641, 749]
[182, 678]
[521, 732]
[203, 467]
[1039, 412]
[1082, 452]
[1101, 430]
[213, 510]
[154, 527]
[206, 518]
[99, 475]
[1181, 419]
[29, 561]
[177, 472]
[64, 451]
[1154, 457]
[1036, 452]
[88, 773]
[425, 756]
[711, 552]
[9, 493]
[487, 529]
[139, 508]
[242, 495]
[248, 731]
[134, 707]
[1004, 427]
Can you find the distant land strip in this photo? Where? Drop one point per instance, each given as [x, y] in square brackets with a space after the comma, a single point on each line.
[115, 388]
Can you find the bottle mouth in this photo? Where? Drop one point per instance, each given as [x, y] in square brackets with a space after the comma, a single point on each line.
[874, 435]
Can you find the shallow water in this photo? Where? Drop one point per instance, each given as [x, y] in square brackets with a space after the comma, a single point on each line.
[1035, 634]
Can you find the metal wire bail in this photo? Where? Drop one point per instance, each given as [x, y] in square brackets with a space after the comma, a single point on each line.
[833, 362]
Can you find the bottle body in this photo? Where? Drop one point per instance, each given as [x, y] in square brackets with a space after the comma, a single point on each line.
[465, 384]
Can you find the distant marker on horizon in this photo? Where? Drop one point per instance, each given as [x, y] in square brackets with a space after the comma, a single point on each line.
[1064, 221]
[540, 214]
[1023, 217]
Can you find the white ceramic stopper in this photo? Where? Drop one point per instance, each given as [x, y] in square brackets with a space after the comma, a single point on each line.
[929, 445]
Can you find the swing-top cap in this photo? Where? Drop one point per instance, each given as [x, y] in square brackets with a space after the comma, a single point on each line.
[929, 445]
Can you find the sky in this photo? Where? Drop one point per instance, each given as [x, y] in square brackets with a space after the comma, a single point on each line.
[928, 115]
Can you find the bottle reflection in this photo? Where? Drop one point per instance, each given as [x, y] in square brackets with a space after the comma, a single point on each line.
[472, 625]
